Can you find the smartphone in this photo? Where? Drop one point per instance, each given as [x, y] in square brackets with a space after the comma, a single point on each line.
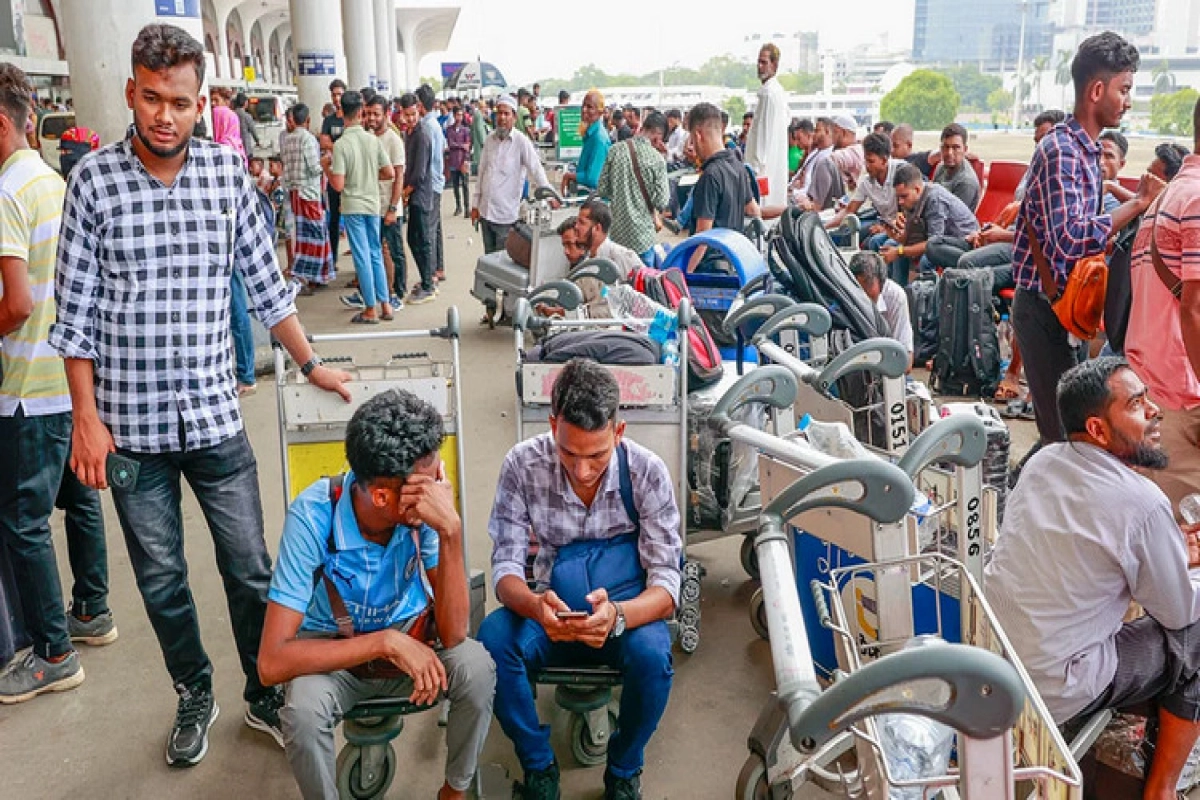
[122, 472]
[571, 614]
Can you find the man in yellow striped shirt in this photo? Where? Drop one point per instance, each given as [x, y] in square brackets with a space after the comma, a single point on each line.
[35, 426]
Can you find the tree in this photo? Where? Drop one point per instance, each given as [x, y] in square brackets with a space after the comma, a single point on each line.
[1164, 79]
[801, 82]
[1000, 100]
[434, 83]
[1171, 114]
[973, 86]
[735, 106]
[925, 99]
[1040, 65]
[1062, 72]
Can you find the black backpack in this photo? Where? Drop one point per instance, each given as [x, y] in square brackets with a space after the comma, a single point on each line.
[967, 362]
[923, 314]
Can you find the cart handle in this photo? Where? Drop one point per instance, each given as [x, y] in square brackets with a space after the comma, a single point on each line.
[547, 193]
[563, 294]
[772, 385]
[807, 318]
[602, 269]
[450, 330]
[868, 486]
[879, 356]
[762, 307]
[972, 690]
[960, 439]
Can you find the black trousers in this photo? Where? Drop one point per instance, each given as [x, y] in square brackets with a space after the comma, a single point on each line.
[334, 198]
[1047, 351]
[422, 240]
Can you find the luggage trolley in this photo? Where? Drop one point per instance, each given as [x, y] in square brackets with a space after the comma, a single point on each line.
[312, 427]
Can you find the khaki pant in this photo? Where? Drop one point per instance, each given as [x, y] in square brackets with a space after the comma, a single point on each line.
[1181, 440]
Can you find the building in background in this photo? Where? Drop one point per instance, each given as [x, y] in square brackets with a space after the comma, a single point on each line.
[985, 32]
[798, 52]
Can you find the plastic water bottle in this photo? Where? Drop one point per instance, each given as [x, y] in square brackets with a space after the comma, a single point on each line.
[625, 302]
[927, 527]
[1004, 333]
[670, 352]
[915, 747]
[831, 438]
[1189, 509]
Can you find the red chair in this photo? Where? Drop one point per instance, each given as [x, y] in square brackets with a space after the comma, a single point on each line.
[1130, 182]
[1003, 178]
[980, 169]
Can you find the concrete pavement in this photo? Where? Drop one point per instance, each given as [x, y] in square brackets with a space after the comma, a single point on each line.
[106, 739]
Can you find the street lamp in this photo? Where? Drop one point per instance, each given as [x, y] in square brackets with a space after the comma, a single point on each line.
[1016, 115]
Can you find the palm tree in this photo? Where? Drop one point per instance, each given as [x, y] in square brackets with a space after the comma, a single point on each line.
[1164, 79]
[1040, 65]
[1062, 72]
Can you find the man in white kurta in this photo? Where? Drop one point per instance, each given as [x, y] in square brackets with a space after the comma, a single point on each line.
[767, 143]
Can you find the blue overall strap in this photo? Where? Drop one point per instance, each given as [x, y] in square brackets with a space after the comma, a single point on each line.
[626, 483]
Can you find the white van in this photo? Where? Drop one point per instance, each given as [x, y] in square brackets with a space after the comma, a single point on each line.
[50, 129]
[268, 111]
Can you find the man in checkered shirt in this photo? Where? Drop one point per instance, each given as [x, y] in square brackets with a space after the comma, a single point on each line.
[603, 512]
[153, 228]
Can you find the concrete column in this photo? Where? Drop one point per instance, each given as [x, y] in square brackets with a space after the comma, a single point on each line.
[98, 35]
[412, 59]
[385, 45]
[358, 35]
[317, 37]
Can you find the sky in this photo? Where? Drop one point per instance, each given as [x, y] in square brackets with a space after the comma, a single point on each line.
[528, 40]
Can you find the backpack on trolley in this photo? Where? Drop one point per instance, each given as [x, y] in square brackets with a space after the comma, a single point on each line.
[967, 362]
[667, 287]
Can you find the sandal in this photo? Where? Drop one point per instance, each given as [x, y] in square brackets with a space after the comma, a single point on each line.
[1008, 390]
[388, 317]
[360, 319]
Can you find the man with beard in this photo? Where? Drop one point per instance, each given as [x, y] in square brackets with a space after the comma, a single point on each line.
[507, 158]
[153, 228]
[592, 227]
[1069, 560]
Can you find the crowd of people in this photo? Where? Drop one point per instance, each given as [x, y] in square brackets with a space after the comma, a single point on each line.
[124, 357]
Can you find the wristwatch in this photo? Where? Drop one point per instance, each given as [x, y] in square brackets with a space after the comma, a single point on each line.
[393, 208]
[618, 627]
[310, 365]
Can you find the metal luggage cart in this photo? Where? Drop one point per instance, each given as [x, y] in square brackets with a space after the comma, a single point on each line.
[312, 428]
[978, 688]
[1041, 762]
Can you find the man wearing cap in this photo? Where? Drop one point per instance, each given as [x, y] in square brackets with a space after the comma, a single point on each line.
[767, 139]
[847, 152]
[506, 159]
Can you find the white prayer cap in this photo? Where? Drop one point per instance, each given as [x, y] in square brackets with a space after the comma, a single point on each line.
[507, 100]
[845, 122]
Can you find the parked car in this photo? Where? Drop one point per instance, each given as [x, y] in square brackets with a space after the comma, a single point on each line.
[50, 129]
[268, 111]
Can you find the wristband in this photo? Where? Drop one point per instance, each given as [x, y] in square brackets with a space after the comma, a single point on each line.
[310, 365]
[900, 250]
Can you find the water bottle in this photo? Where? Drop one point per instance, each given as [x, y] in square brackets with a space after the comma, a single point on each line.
[1189, 509]
[1004, 333]
[670, 353]
[927, 523]
[626, 303]
[915, 747]
[831, 438]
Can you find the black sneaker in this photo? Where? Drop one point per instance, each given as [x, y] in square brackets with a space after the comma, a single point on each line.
[195, 714]
[541, 784]
[263, 714]
[622, 788]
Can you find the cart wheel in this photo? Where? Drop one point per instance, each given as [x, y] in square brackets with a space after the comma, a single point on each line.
[689, 640]
[689, 617]
[758, 614]
[587, 751]
[749, 557]
[752, 780]
[690, 593]
[489, 308]
[353, 784]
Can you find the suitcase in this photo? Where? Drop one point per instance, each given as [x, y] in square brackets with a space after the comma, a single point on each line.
[496, 272]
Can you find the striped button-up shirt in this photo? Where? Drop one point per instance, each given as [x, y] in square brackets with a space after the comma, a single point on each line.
[143, 290]
[534, 494]
[1063, 191]
[301, 156]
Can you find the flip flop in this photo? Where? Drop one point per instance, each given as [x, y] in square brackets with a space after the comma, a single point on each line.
[387, 317]
[359, 319]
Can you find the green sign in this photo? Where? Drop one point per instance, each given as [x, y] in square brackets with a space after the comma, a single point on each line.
[570, 137]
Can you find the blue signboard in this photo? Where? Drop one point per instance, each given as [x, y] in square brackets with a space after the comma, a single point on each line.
[177, 8]
[318, 62]
[451, 67]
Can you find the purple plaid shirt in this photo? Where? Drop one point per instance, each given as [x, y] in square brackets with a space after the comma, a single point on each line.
[1063, 189]
[533, 493]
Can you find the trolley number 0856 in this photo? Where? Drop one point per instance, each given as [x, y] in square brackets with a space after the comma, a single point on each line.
[973, 528]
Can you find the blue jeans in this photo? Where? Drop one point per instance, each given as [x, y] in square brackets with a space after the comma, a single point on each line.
[647, 257]
[34, 478]
[874, 241]
[520, 646]
[393, 236]
[224, 479]
[899, 269]
[243, 334]
[363, 232]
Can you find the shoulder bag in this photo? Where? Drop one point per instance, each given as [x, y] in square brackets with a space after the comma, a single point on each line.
[1079, 307]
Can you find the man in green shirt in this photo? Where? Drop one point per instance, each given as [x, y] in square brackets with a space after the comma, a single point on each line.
[357, 166]
[800, 135]
[479, 133]
[634, 181]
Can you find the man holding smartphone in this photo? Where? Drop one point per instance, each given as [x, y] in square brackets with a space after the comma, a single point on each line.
[35, 426]
[603, 512]
[153, 228]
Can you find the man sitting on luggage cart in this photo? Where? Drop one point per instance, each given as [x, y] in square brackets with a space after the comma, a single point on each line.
[365, 568]
[1084, 534]
[606, 575]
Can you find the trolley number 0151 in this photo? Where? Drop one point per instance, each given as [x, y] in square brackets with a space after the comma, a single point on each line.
[898, 421]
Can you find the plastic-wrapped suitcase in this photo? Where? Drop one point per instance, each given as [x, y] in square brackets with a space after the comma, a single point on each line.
[999, 442]
[496, 271]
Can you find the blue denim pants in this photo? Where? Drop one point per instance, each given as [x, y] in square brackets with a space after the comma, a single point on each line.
[243, 334]
[224, 479]
[34, 479]
[520, 646]
[365, 246]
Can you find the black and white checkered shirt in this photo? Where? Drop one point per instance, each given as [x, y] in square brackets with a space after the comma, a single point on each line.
[143, 291]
